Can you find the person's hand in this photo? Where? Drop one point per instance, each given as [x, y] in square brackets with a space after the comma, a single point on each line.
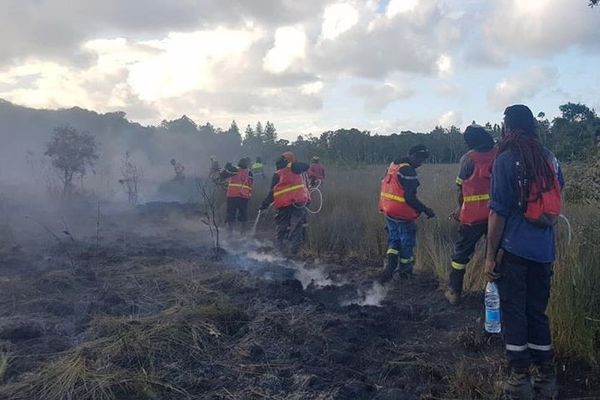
[490, 269]
[430, 213]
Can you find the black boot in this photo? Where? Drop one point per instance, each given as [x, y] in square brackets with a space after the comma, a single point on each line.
[389, 267]
[517, 385]
[544, 382]
[454, 291]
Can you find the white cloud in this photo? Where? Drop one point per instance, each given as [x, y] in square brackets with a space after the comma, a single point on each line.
[337, 19]
[445, 66]
[289, 47]
[450, 118]
[522, 86]
[397, 7]
[540, 27]
[377, 97]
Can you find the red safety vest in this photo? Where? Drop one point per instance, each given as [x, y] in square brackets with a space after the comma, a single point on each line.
[476, 188]
[316, 171]
[240, 185]
[391, 198]
[291, 189]
[543, 209]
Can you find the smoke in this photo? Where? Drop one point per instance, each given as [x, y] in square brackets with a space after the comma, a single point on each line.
[259, 258]
[372, 296]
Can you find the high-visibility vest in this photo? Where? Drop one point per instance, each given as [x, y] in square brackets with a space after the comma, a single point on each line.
[391, 197]
[240, 184]
[257, 168]
[291, 189]
[543, 209]
[316, 171]
[476, 188]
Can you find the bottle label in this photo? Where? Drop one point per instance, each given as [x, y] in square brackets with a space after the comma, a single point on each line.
[492, 315]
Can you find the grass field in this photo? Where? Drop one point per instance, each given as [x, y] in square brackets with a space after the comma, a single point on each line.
[350, 228]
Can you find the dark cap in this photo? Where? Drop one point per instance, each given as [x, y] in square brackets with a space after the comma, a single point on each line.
[420, 151]
[519, 118]
[477, 137]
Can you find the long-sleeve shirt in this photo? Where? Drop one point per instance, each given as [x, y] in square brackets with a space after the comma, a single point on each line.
[407, 176]
[297, 168]
[520, 237]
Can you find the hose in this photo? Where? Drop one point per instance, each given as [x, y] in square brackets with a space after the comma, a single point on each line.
[570, 229]
[313, 190]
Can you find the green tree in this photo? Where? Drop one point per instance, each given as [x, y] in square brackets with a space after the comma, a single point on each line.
[270, 134]
[572, 136]
[71, 152]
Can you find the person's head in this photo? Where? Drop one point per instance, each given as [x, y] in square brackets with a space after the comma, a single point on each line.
[281, 162]
[477, 137]
[418, 154]
[173, 162]
[244, 162]
[518, 119]
[519, 136]
[315, 160]
[289, 156]
[259, 160]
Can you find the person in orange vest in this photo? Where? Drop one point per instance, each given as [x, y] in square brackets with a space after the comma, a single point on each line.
[239, 192]
[289, 194]
[399, 204]
[316, 172]
[473, 181]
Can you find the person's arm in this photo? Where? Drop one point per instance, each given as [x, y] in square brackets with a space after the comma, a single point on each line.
[410, 183]
[503, 198]
[228, 171]
[269, 199]
[496, 223]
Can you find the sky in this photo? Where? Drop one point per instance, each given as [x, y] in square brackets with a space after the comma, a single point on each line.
[308, 66]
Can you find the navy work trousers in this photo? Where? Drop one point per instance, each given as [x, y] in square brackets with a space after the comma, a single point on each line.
[524, 292]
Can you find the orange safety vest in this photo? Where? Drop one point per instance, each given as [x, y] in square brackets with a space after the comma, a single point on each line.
[291, 189]
[476, 188]
[391, 198]
[544, 208]
[240, 184]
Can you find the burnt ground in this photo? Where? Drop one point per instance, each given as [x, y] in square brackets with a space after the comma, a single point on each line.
[144, 311]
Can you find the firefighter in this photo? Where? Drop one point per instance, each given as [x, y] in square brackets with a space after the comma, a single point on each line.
[239, 192]
[525, 204]
[316, 172]
[289, 195]
[399, 204]
[258, 169]
[473, 183]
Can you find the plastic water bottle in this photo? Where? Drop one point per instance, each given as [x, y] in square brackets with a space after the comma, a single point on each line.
[492, 308]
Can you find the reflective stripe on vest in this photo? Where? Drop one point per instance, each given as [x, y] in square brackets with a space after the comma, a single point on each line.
[240, 186]
[476, 197]
[288, 189]
[394, 197]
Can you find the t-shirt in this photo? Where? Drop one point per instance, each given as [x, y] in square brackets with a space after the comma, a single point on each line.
[520, 237]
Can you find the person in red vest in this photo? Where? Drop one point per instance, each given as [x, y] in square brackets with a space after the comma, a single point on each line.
[289, 195]
[525, 204]
[316, 172]
[399, 204]
[239, 192]
[473, 181]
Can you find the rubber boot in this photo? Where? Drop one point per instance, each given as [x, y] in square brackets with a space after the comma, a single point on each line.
[389, 266]
[517, 385]
[454, 291]
[544, 383]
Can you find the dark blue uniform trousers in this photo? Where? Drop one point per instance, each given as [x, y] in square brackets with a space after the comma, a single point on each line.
[524, 292]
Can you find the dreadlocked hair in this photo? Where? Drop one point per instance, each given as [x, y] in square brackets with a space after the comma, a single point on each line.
[533, 165]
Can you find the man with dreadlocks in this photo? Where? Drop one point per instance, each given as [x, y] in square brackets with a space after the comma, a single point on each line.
[525, 203]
